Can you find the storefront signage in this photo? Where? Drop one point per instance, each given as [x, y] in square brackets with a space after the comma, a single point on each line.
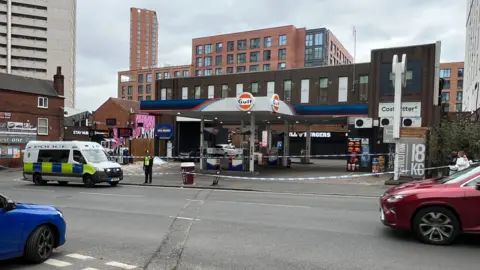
[16, 139]
[101, 133]
[164, 131]
[275, 102]
[411, 157]
[409, 109]
[5, 115]
[80, 132]
[125, 132]
[18, 127]
[245, 101]
[312, 134]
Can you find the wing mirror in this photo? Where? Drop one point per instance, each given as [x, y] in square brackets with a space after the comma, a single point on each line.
[10, 205]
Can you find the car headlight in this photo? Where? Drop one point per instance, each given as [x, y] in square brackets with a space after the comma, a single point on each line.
[395, 198]
[108, 170]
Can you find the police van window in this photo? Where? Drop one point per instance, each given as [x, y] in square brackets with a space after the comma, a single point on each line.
[53, 155]
[78, 157]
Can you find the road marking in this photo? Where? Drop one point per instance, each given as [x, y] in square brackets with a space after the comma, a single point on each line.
[57, 263]
[79, 256]
[109, 194]
[186, 218]
[89, 268]
[34, 190]
[120, 265]
[264, 204]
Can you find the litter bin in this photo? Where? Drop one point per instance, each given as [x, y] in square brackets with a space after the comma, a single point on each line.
[187, 169]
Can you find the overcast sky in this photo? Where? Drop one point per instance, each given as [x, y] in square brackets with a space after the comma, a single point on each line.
[103, 30]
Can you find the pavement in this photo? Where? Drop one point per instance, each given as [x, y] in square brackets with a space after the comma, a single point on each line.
[148, 227]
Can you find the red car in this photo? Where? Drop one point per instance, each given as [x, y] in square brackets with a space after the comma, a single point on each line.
[436, 210]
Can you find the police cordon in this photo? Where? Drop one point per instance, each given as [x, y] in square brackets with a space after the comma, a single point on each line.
[280, 156]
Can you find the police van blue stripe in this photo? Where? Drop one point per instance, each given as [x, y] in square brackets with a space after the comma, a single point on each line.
[37, 167]
[57, 168]
[77, 169]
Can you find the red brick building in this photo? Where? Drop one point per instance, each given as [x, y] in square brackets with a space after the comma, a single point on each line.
[30, 109]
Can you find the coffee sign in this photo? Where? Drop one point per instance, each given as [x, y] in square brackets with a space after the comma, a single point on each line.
[409, 109]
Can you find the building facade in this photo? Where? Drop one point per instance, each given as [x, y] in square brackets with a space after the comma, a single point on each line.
[143, 38]
[36, 37]
[471, 101]
[30, 109]
[452, 92]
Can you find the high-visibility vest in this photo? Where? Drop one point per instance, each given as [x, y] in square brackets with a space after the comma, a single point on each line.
[147, 161]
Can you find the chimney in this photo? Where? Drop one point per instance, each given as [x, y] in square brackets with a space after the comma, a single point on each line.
[58, 82]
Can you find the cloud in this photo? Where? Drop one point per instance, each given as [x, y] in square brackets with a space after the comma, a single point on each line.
[103, 30]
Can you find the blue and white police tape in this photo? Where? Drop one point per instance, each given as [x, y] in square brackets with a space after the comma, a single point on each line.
[136, 174]
[280, 156]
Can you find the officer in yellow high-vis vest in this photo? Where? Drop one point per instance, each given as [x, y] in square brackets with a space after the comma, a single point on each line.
[147, 167]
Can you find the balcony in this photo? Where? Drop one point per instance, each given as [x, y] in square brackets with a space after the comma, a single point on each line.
[3, 61]
[29, 64]
[3, 18]
[3, 7]
[32, 74]
[3, 50]
[29, 53]
[28, 21]
[28, 32]
[29, 11]
[3, 40]
[3, 29]
[28, 42]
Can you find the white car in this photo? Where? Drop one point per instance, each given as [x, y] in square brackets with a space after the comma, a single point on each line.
[227, 150]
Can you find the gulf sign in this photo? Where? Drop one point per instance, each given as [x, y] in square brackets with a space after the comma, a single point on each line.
[275, 102]
[245, 101]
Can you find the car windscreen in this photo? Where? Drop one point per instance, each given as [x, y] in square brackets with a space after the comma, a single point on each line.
[95, 155]
[461, 175]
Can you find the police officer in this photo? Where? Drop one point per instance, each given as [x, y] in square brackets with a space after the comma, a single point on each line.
[147, 167]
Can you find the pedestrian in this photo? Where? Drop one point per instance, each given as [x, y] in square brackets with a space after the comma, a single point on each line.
[451, 160]
[461, 163]
[147, 167]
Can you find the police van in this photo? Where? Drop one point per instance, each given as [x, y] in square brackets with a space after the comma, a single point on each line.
[69, 161]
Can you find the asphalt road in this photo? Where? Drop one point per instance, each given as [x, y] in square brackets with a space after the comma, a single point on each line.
[164, 228]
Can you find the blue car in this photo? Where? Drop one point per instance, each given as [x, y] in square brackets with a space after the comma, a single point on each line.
[29, 230]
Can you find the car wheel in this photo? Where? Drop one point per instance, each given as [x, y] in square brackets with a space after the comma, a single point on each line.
[113, 184]
[88, 181]
[63, 183]
[37, 180]
[40, 244]
[436, 226]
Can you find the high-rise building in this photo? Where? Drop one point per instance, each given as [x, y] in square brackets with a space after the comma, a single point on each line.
[38, 36]
[471, 100]
[143, 38]
[452, 92]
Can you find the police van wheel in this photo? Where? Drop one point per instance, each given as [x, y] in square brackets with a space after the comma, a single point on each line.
[114, 184]
[37, 180]
[88, 181]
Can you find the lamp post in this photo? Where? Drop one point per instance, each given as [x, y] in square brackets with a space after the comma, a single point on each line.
[399, 81]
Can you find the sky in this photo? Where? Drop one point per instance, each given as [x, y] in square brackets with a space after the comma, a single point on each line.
[103, 30]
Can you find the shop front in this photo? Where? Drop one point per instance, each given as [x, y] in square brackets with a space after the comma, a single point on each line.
[13, 138]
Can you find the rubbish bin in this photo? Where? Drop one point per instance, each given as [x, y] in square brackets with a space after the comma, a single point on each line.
[187, 169]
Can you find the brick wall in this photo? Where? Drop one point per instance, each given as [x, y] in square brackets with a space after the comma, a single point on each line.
[109, 109]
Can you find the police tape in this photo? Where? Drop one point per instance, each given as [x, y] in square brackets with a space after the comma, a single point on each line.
[345, 176]
[280, 156]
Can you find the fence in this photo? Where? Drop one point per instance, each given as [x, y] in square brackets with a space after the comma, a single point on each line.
[139, 146]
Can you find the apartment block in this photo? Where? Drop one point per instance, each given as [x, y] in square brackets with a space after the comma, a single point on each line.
[143, 38]
[471, 101]
[452, 93]
[36, 36]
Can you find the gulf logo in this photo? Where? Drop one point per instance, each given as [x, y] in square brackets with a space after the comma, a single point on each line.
[245, 101]
[275, 102]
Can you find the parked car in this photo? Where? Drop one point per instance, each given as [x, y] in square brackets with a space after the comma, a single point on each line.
[193, 155]
[225, 150]
[436, 210]
[29, 230]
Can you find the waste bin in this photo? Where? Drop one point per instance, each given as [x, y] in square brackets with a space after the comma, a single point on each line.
[187, 169]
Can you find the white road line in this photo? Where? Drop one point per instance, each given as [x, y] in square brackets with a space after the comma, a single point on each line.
[79, 256]
[57, 263]
[90, 268]
[109, 194]
[186, 218]
[120, 265]
[34, 190]
[264, 204]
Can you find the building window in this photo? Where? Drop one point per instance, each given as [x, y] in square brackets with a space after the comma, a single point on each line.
[266, 67]
[241, 58]
[166, 75]
[318, 53]
[198, 73]
[460, 84]
[445, 73]
[208, 61]
[254, 43]
[163, 94]
[224, 90]
[230, 46]
[176, 74]
[458, 107]
[124, 88]
[241, 69]
[42, 102]
[242, 44]
[282, 40]
[218, 60]
[323, 91]
[282, 66]
[253, 68]
[342, 89]
[267, 55]
[282, 54]
[445, 96]
[254, 89]
[459, 95]
[198, 92]
[218, 71]
[219, 47]
[186, 73]
[140, 89]
[130, 98]
[148, 89]
[460, 73]
[199, 49]
[267, 42]
[230, 59]
[42, 127]
[318, 39]
[208, 48]
[184, 92]
[287, 90]
[158, 75]
[208, 72]
[130, 90]
[363, 88]
[445, 107]
[140, 78]
[169, 94]
[229, 70]
[198, 62]
[309, 40]
[140, 98]
[149, 77]
[254, 56]
[148, 98]
[308, 54]
[446, 85]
